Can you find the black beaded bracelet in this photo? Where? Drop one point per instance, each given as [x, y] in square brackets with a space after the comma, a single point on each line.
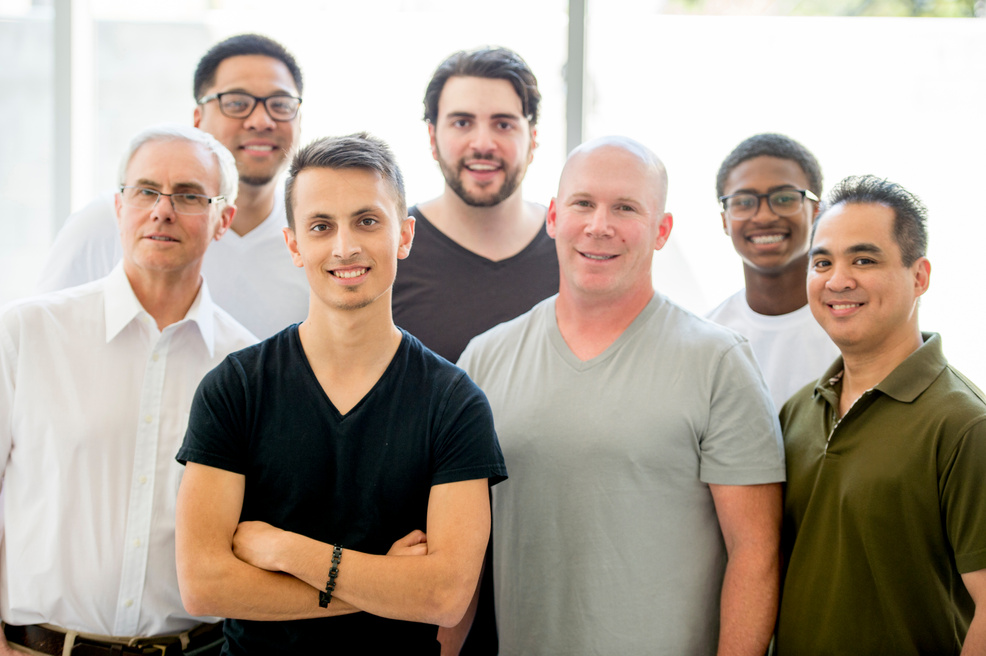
[325, 597]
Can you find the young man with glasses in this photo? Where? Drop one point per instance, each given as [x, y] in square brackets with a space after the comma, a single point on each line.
[95, 387]
[769, 188]
[248, 95]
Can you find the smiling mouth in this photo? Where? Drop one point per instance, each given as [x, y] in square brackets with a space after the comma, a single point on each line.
[767, 239]
[351, 273]
[162, 238]
[597, 257]
[844, 306]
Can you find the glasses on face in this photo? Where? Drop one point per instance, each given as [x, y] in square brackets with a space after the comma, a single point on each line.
[236, 104]
[183, 203]
[783, 202]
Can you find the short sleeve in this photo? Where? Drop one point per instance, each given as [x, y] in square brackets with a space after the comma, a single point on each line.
[467, 447]
[742, 444]
[961, 488]
[217, 431]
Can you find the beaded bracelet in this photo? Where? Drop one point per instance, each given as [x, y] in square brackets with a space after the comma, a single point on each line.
[325, 597]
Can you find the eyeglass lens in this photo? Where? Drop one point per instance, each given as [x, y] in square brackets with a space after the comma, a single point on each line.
[784, 202]
[240, 105]
[143, 198]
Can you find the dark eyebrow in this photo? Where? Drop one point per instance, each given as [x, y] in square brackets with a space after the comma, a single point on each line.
[512, 117]
[460, 115]
[144, 182]
[852, 250]
[770, 190]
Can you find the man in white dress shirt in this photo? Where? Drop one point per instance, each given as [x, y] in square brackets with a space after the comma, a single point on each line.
[95, 386]
[248, 95]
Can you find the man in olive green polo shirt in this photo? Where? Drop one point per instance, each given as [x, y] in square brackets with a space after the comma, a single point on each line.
[885, 515]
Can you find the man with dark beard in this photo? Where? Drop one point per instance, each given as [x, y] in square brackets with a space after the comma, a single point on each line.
[248, 95]
[481, 254]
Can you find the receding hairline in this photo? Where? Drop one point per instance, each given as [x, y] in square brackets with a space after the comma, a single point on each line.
[652, 163]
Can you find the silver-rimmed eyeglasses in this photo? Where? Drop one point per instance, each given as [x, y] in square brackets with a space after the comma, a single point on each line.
[783, 202]
[237, 104]
[184, 203]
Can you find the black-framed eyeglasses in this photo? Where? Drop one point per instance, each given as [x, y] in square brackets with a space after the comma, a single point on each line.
[783, 202]
[237, 104]
[183, 203]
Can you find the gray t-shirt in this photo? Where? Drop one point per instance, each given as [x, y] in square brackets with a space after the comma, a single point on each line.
[607, 540]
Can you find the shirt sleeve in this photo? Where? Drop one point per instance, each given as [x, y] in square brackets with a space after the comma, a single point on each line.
[467, 446]
[8, 372]
[961, 485]
[742, 444]
[217, 424]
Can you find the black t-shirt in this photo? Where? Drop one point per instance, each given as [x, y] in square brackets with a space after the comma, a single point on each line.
[361, 479]
[445, 294]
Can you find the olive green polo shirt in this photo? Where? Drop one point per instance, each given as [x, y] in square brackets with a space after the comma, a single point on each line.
[883, 510]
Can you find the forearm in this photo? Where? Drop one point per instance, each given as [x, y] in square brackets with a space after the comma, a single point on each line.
[431, 588]
[225, 586]
[975, 639]
[749, 599]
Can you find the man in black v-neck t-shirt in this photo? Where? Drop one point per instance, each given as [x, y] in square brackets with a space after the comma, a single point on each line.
[481, 253]
[335, 442]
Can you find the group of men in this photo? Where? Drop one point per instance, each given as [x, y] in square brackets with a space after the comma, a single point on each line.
[336, 483]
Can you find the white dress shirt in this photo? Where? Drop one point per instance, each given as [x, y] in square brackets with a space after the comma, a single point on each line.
[252, 277]
[94, 404]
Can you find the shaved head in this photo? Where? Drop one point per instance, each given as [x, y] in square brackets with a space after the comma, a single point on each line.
[657, 174]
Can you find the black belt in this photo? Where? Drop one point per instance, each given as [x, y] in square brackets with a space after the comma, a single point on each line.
[48, 641]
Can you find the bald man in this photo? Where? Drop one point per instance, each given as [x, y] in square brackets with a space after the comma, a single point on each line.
[643, 510]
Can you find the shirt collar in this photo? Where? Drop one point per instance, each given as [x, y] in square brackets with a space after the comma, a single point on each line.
[905, 383]
[121, 307]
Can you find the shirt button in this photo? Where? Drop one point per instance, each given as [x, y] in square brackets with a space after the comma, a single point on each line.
[128, 603]
[155, 357]
[143, 480]
[148, 419]
[137, 542]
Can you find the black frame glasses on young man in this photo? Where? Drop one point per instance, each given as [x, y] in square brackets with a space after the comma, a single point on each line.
[238, 104]
[782, 202]
[181, 202]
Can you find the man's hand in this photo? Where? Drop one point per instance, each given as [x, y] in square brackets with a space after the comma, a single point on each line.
[414, 543]
[256, 543]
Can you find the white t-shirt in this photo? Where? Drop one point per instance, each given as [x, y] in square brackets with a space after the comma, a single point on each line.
[252, 277]
[792, 349]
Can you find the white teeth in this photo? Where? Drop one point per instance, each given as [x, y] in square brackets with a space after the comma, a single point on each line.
[355, 273]
[845, 306]
[599, 257]
[156, 238]
[264, 148]
[482, 167]
[767, 239]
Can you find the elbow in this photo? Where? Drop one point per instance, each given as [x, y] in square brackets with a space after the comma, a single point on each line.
[200, 589]
[451, 602]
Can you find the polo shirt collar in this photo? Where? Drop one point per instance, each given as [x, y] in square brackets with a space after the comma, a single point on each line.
[905, 383]
[121, 307]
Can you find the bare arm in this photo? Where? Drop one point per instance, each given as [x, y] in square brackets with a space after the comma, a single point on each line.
[454, 637]
[434, 588]
[750, 519]
[212, 580]
[975, 640]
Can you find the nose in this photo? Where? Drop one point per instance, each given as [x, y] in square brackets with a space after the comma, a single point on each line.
[163, 209]
[346, 244]
[764, 213]
[599, 224]
[840, 279]
[259, 119]
[482, 139]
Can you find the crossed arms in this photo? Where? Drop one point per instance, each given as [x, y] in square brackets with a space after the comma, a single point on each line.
[258, 572]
